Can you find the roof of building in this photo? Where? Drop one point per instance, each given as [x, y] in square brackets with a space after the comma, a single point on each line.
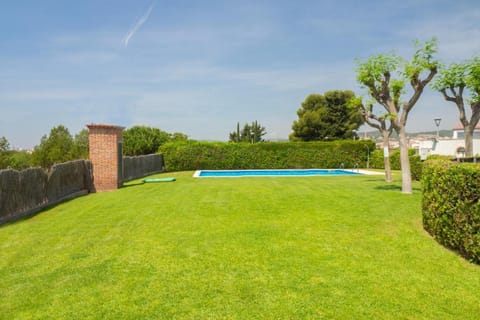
[104, 126]
[459, 126]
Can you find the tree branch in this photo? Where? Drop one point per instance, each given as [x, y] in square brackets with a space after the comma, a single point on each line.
[452, 90]
[446, 96]
[460, 90]
[418, 87]
[373, 124]
[475, 113]
[433, 72]
[386, 82]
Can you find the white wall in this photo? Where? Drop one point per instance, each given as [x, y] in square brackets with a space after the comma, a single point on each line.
[448, 147]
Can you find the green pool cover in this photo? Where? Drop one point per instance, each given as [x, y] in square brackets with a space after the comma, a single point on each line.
[170, 179]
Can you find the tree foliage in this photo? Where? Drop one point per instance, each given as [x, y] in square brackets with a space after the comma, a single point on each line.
[141, 140]
[80, 145]
[4, 147]
[178, 136]
[19, 160]
[250, 133]
[4, 144]
[326, 117]
[385, 77]
[13, 159]
[57, 147]
[453, 82]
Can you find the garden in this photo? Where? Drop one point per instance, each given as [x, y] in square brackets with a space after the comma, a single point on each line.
[332, 247]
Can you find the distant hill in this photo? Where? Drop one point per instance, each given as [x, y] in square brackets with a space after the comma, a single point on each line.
[375, 134]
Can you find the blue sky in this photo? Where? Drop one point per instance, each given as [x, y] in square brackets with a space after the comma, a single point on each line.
[199, 67]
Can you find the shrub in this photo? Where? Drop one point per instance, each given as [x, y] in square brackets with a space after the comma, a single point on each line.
[439, 157]
[451, 206]
[268, 155]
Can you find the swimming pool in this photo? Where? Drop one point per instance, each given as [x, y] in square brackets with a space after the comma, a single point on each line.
[272, 173]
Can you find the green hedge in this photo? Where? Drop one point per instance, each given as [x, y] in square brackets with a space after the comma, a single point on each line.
[451, 205]
[376, 162]
[191, 155]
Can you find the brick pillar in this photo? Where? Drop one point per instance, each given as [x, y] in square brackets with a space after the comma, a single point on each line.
[104, 150]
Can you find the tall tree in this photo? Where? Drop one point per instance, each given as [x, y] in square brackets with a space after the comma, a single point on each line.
[455, 80]
[178, 136]
[4, 144]
[139, 140]
[55, 148]
[250, 133]
[19, 160]
[4, 147]
[80, 145]
[326, 116]
[383, 124]
[13, 159]
[257, 132]
[377, 75]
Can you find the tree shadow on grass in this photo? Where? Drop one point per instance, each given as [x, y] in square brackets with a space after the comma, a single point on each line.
[32, 212]
[133, 184]
[394, 187]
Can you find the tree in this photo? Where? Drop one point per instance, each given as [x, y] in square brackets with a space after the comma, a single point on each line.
[13, 159]
[55, 148]
[383, 124]
[327, 116]
[4, 147]
[139, 140]
[4, 144]
[453, 81]
[235, 136]
[376, 74]
[20, 160]
[80, 145]
[178, 136]
[250, 133]
[257, 132]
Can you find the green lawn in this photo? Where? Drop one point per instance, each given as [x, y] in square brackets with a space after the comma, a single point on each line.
[245, 248]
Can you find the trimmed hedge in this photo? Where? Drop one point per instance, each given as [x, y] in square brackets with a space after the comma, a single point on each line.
[451, 205]
[193, 155]
[376, 162]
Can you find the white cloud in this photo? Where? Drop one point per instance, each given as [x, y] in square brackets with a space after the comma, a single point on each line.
[137, 25]
[456, 33]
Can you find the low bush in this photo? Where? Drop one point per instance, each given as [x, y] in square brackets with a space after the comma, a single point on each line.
[439, 157]
[451, 205]
[181, 156]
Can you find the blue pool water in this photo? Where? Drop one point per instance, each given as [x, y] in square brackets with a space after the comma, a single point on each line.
[273, 173]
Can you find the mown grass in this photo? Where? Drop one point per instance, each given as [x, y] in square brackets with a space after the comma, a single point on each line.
[247, 248]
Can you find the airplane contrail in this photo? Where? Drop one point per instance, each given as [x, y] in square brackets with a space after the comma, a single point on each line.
[137, 25]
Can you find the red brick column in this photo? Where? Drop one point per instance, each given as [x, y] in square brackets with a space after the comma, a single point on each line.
[103, 142]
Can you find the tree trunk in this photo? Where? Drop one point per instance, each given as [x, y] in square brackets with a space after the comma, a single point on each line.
[386, 156]
[468, 141]
[404, 161]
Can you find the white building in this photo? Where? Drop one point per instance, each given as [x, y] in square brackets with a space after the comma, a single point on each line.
[454, 147]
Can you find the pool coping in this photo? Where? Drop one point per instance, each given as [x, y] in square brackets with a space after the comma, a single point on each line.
[196, 174]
